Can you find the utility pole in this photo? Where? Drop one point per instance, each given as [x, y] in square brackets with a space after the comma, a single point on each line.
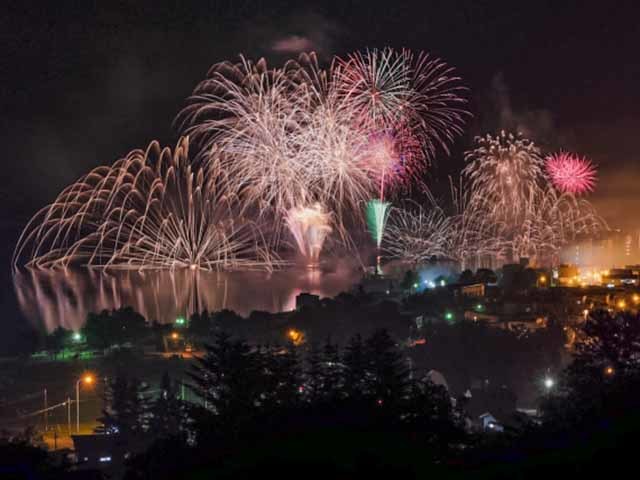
[69, 415]
[45, 412]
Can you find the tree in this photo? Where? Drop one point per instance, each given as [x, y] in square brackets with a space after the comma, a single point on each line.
[229, 379]
[57, 340]
[355, 371]
[200, 324]
[314, 381]
[410, 280]
[126, 412]
[429, 411]
[20, 458]
[602, 383]
[284, 377]
[466, 277]
[114, 327]
[485, 275]
[132, 326]
[332, 372]
[167, 411]
[386, 374]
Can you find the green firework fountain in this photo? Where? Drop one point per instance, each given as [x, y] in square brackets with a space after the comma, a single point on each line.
[377, 212]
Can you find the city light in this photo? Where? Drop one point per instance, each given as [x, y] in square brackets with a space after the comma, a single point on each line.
[180, 321]
[76, 336]
[88, 379]
[549, 383]
[622, 304]
[543, 279]
[296, 336]
[609, 371]
[479, 307]
[636, 298]
[448, 316]
[175, 336]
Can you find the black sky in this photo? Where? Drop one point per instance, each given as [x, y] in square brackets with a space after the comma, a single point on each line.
[83, 82]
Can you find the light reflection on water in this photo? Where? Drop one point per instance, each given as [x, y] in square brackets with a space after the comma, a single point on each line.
[64, 298]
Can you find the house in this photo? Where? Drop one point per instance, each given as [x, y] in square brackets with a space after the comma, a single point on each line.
[489, 423]
[97, 450]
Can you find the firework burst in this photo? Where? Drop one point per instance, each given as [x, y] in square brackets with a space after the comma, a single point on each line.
[152, 209]
[290, 137]
[571, 173]
[310, 227]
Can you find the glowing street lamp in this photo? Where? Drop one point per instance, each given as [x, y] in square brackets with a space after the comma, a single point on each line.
[88, 380]
[296, 336]
[609, 371]
[76, 336]
[175, 336]
[180, 321]
[549, 383]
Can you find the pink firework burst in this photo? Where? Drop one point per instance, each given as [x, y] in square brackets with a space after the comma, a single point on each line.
[571, 173]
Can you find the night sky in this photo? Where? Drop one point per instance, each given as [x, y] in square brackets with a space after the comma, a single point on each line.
[81, 85]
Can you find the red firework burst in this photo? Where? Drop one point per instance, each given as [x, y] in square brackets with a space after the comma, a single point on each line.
[571, 173]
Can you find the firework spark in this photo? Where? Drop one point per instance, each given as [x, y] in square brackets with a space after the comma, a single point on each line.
[571, 173]
[310, 227]
[152, 209]
[502, 170]
[377, 214]
[290, 137]
[270, 142]
[504, 209]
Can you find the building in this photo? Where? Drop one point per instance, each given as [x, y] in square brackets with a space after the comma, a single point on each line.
[97, 450]
[475, 290]
[307, 300]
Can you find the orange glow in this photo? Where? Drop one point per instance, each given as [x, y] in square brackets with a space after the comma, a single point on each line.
[88, 379]
[609, 371]
[296, 336]
[174, 336]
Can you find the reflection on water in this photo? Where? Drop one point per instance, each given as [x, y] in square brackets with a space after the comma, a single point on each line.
[64, 298]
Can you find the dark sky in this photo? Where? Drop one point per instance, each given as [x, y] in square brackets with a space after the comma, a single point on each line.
[83, 84]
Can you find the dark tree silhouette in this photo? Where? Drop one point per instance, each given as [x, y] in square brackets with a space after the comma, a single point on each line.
[167, 411]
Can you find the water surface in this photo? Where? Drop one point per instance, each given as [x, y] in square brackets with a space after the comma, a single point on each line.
[65, 297]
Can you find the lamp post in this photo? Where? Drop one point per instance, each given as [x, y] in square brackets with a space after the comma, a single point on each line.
[88, 379]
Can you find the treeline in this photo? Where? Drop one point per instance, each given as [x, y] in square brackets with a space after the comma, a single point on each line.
[248, 395]
[358, 412]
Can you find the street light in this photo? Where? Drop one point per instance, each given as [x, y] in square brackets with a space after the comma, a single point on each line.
[549, 383]
[87, 379]
[76, 336]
